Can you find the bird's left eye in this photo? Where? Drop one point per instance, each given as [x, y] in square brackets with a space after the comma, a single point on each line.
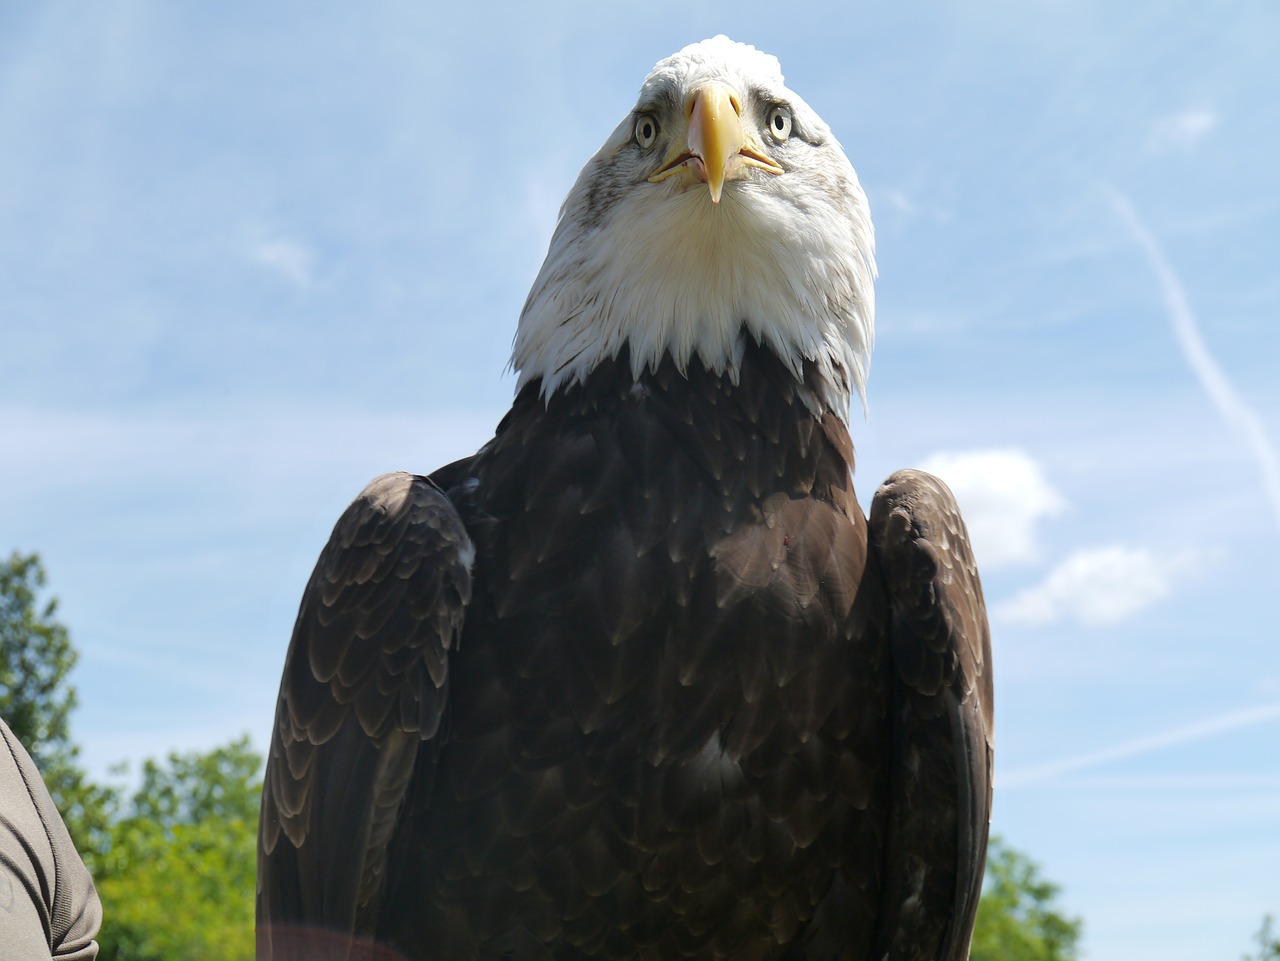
[779, 122]
[646, 130]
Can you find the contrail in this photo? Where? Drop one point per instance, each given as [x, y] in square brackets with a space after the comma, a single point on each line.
[1233, 408]
[1143, 745]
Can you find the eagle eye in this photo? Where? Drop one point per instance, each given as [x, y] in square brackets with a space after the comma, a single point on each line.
[646, 130]
[778, 121]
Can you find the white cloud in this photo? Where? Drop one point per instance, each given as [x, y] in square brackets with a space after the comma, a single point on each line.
[1097, 586]
[1234, 410]
[1182, 130]
[286, 257]
[1002, 494]
[1199, 730]
[907, 206]
[900, 202]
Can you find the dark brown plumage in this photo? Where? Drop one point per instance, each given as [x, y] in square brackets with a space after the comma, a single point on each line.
[680, 705]
[638, 681]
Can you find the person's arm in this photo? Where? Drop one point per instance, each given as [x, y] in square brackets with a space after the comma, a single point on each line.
[48, 905]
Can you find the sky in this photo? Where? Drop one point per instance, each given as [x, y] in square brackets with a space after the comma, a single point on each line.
[251, 258]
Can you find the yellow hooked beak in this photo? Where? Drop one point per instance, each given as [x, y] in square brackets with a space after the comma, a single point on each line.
[717, 146]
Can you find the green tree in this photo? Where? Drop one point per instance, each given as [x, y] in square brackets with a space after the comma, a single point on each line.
[35, 657]
[1018, 919]
[36, 698]
[1267, 939]
[178, 880]
[175, 861]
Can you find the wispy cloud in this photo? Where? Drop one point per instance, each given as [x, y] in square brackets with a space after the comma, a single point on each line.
[289, 258]
[1234, 410]
[1003, 494]
[899, 201]
[906, 206]
[1233, 783]
[1096, 586]
[1210, 727]
[1182, 130]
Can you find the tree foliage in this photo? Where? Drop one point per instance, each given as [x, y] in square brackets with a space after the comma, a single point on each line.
[36, 656]
[179, 878]
[1018, 919]
[1267, 942]
[36, 698]
[174, 861]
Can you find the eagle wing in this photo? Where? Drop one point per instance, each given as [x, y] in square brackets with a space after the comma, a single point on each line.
[361, 702]
[940, 646]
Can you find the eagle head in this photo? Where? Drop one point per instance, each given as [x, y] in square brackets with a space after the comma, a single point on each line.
[721, 207]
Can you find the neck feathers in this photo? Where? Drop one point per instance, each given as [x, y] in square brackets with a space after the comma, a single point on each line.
[672, 276]
[753, 432]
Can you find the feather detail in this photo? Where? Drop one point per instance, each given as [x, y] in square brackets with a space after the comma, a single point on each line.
[787, 260]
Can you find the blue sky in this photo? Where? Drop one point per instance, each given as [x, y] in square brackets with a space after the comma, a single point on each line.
[251, 258]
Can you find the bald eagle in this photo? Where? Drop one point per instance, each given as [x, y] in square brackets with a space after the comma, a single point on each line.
[638, 680]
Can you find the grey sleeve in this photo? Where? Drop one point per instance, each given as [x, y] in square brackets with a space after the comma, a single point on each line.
[48, 905]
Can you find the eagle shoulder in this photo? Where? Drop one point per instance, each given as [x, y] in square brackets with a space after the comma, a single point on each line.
[940, 646]
[365, 685]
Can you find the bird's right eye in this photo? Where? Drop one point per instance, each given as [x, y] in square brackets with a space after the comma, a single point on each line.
[646, 130]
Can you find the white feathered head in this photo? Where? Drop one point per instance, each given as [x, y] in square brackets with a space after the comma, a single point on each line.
[721, 206]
